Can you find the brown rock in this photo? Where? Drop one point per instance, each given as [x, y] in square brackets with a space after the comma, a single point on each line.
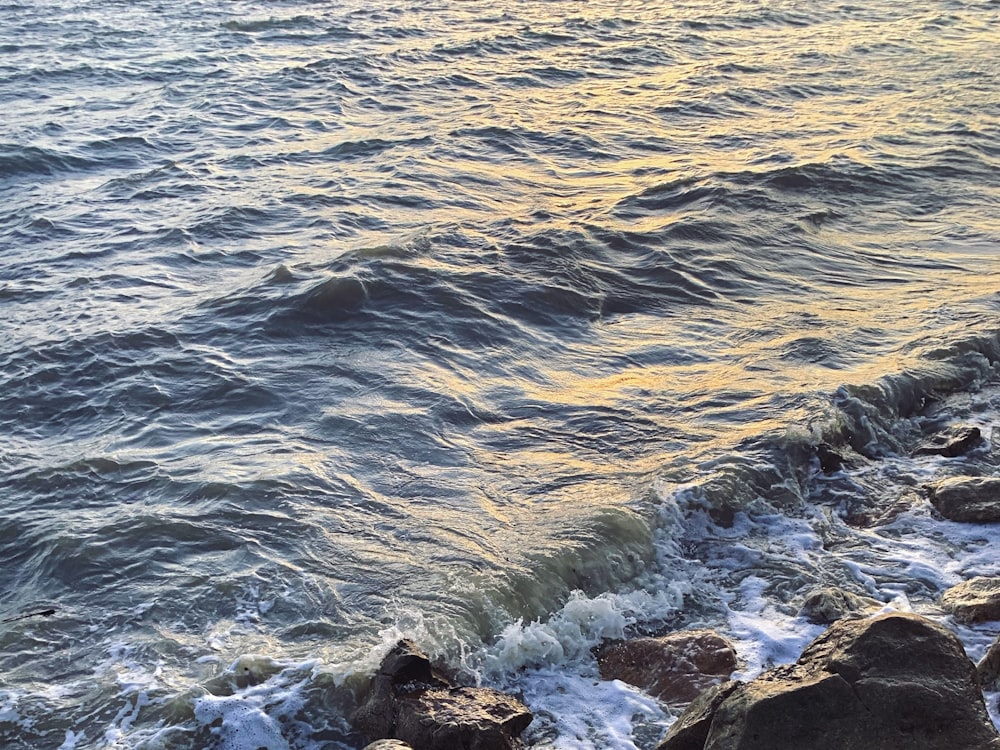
[387, 745]
[974, 600]
[465, 717]
[829, 604]
[410, 702]
[674, 668]
[892, 682]
[950, 443]
[968, 499]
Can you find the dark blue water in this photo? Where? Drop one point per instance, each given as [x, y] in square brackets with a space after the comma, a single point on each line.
[324, 324]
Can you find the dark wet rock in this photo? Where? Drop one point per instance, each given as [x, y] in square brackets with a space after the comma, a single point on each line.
[830, 460]
[829, 604]
[974, 600]
[892, 682]
[723, 516]
[967, 499]
[409, 701]
[988, 667]
[691, 729]
[865, 512]
[674, 668]
[950, 443]
[404, 669]
[406, 664]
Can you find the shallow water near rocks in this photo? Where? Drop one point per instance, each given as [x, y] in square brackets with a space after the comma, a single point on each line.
[504, 327]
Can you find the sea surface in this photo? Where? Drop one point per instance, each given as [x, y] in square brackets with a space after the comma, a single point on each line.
[502, 326]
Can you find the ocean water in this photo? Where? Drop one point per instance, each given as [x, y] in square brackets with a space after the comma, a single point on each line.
[502, 326]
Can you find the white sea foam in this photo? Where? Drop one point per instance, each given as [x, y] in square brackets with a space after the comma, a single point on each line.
[764, 635]
[262, 713]
[71, 739]
[434, 636]
[8, 706]
[575, 710]
[242, 722]
[580, 624]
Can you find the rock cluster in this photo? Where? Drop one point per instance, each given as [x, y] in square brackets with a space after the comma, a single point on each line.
[411, 703]
[893, 682]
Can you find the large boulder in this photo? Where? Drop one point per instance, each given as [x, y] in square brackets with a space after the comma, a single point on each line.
[892, 682]
[674, 668]
[411, 702]
[968, 499]
[974, 600]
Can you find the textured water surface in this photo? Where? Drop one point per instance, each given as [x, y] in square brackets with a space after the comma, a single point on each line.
[503, 326]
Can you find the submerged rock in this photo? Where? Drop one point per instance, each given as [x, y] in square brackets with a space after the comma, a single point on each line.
[829, 604]
[410, 702]
[974, 600]
[950, 443]
[674, 668]
[892, 682]
[968, 499]
[865, 512]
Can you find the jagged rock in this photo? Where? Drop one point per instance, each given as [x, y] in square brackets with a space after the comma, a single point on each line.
[673, 668]
[411, 702]
[892, 682]
[829, 604]
[950, 443]
[968, 499]
[465, 717]
[988, 667]
[691, 729]
[404, 669]
[974, 600]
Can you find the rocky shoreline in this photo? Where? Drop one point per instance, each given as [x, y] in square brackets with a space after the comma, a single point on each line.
[894, 681]
[873, 679]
